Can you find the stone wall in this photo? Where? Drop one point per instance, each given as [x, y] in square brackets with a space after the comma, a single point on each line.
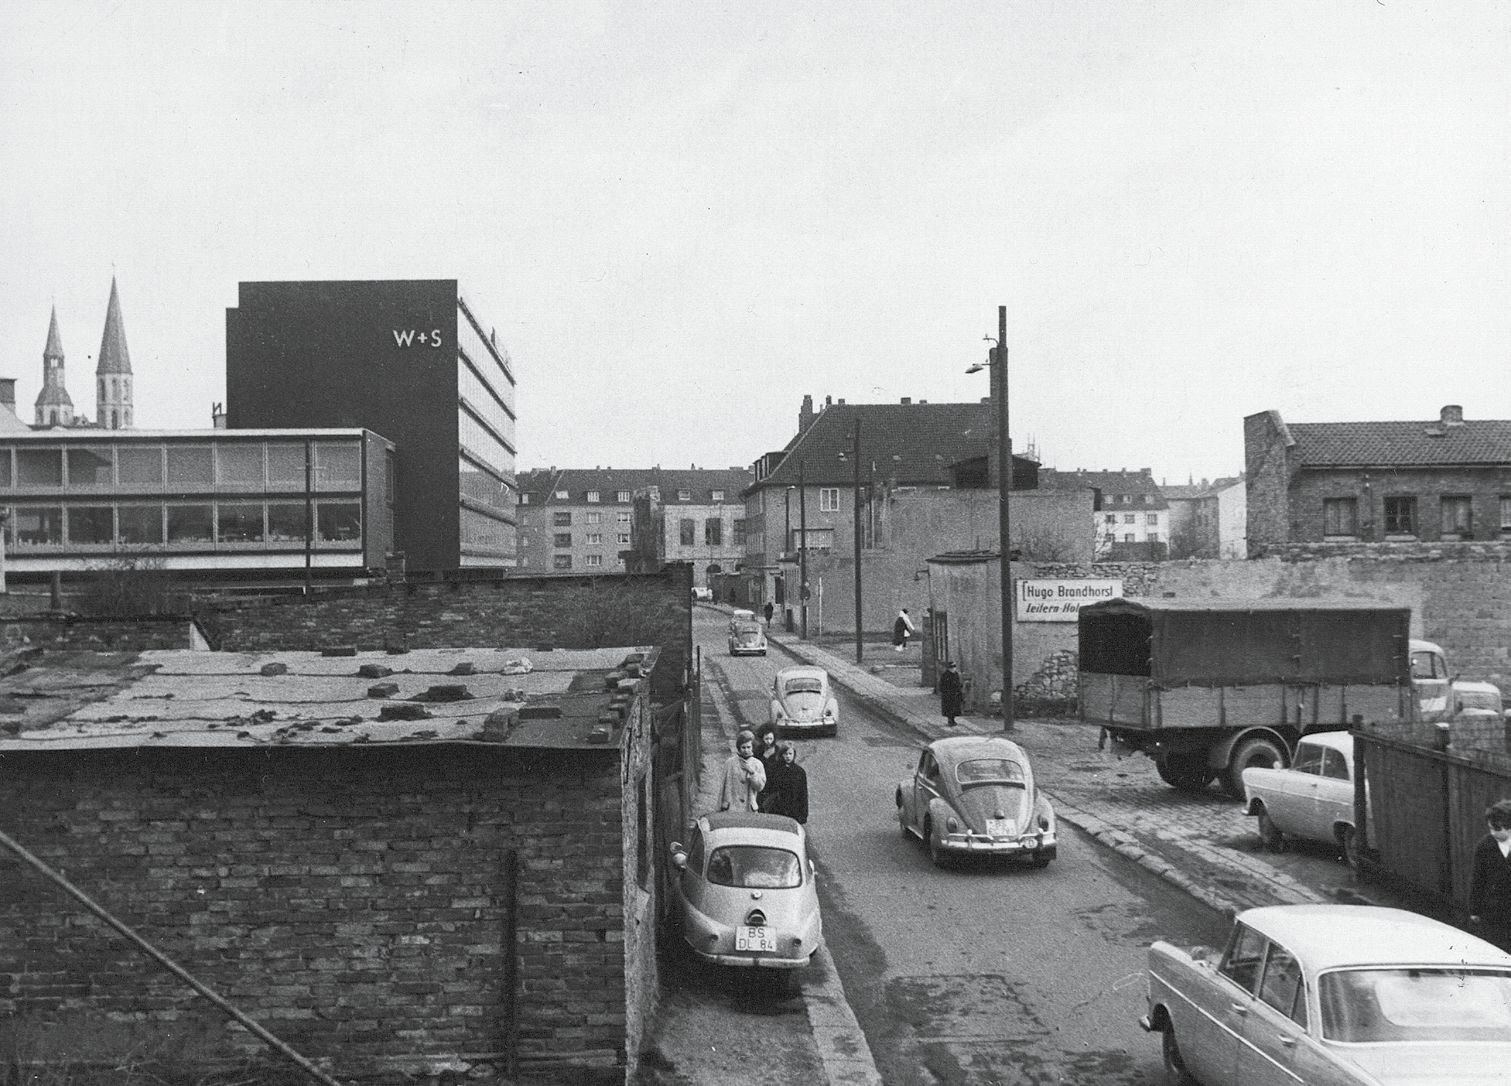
[70, 631]
[352, 901]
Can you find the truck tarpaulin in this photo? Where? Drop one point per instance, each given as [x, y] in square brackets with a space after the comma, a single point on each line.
[1217, 642]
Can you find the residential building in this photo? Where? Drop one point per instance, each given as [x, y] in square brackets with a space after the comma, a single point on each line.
[582, 520]
[1131, 516]
[1207, 519]
[1444, 480]
[410, 359]
[243, 503]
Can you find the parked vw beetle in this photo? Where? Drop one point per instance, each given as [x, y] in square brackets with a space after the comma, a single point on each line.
[802, 702]
[975, 795]
[747, 638]
[743, 893]
[1334, 995]
[1312, 799]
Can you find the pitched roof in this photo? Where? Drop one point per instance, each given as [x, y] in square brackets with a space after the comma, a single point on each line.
[54, 348]
[114, 358]
[1400, 444]
[913, 443]
[1138, 486]
[544, 483]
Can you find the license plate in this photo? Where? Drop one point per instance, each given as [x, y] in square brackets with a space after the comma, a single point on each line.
[754, 939]
[999, 827]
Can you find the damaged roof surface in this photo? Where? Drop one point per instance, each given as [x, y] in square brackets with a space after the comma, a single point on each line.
[181, 698]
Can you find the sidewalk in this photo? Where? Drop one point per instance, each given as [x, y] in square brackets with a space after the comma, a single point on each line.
[1203, 843]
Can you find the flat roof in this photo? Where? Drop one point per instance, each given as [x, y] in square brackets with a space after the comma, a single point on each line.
[180, 698]
[90, 434]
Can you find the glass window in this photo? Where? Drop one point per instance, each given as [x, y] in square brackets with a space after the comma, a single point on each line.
[621, 495]
[1308, 758]
[191, 466]
[285, 522]
[239, 522]
[624, 537]
[561, 520]
[713, 532]
[1244, 956]
[754, 867]
[595, 539]
[592, 560]
[240, 464]
[989, 771]
[1400, 516]
[1340, 517]
[39, 467]
[592, 495]
[1456, 518]
[717, 495]
[1130, 518]
[1152, 537]
[739, 532]
[561, 561]
[1282, 985]
[1440, 1005]
[338, 522]
[90, 467]
[561, 495]
[687, 531]
[1427, 665]
[1334, 765]
[1505, 503]
[7, 480]
[1128, 537]
[90, 524]
[684, 495]
[828, 499]
[1151, 519]
[190, 523]
[140, 524]
[524, 499]
[595, 518]
[561, 539]
[624, 518]
[286, 466]
[1111, 518]
[483, 532]
[139, 465]
[338, 467]
[38, 525]
[481, 486]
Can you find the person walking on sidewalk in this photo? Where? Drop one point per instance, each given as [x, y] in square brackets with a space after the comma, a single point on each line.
[1490, 881]
[786, 786]
[744, 776]
[951, 693]
[768, 611]
[902, 629]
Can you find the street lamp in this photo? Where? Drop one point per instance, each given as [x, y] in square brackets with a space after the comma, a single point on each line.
[855, 503]
[997, 361]
[802, 554]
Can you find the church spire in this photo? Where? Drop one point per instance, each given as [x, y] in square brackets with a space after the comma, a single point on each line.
[113, 373]
[53, 407]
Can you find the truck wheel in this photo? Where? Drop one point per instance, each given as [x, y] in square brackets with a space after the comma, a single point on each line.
[1188, 772]
[1254, 753]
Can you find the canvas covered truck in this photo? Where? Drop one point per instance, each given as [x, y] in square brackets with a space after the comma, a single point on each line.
[1210, 687]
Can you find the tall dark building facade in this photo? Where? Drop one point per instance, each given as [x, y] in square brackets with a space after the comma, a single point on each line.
[411, 360]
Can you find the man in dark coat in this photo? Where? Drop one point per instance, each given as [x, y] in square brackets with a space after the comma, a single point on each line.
[1490, 880]
[786, 786]
[951, 693]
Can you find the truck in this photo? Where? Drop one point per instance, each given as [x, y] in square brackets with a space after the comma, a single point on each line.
[1210, 687]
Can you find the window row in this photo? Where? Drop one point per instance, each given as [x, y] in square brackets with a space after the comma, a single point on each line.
[561, 519]
[177, 523]
[589, 561]
[1402, 519]
[483, 486]
[483, 443]
[589, 539]
[1151, 519]
[245, 465]
[482, 532]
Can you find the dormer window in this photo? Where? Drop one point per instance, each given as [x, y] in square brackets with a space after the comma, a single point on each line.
[561, 495]
[684, 495]
[592, 495]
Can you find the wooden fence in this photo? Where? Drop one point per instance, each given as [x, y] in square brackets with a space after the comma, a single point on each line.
[1429, 813]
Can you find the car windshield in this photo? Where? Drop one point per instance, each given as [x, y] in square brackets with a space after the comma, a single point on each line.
[804, 686]
[1374, 1006]
[748, 629]
[755, 867]
[988, 771]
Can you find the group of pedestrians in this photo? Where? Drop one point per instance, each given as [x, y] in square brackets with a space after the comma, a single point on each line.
[763, 775]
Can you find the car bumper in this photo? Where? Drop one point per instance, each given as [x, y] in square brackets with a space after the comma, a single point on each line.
[751, 961]
[809, 727]
[748, 650]
[998, 846]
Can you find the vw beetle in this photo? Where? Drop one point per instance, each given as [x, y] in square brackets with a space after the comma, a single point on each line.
[975, 795]
[802, 702]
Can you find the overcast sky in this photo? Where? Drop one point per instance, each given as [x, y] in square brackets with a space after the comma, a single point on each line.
[681, 217]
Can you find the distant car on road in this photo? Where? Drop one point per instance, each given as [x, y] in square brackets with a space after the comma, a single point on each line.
[975, 795]
[747, 639]
[743, 893]
[802, 702]
[1333, 995]
[1312, 799]
[703, 593]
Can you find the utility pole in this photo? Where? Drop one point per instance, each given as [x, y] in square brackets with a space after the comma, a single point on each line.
[802, 554]
[855, 459]
[1004, 526]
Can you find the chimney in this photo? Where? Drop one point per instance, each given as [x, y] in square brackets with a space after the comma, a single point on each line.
[805, 416]
[828, 401]
[8, 393]
[218, 416]
[1452, 415]
[906, 400]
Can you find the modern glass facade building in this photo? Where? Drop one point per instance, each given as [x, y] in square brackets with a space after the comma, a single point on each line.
[206, 500]
[410, 359]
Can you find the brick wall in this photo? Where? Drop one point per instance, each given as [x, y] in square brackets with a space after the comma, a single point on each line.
[353, 902]
[98, 634]
[1483, 486]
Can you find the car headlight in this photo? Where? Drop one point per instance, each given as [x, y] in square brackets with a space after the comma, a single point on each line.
[951, 825]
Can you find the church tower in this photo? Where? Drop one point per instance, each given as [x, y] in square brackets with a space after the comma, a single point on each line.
[54, 408]
[113, 374]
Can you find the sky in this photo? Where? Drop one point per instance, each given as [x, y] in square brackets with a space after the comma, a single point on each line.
[682, 217]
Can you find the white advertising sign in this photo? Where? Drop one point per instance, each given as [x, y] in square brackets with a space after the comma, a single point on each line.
[1061, 601]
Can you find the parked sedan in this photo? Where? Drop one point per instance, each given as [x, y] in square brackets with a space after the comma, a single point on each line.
[744, 894]
[976, 795]
[747, 639]
[1334, 995]
[1312, 799]
[802, 702]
